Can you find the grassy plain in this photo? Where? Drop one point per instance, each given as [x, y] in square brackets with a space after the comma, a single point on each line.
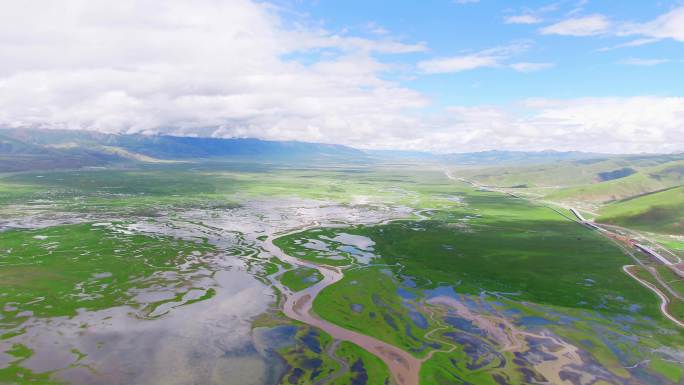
[300, 278]
[506, 245]
[55, 271]
[485, 245]
[315, 358]
[483, 242]
[365, 368]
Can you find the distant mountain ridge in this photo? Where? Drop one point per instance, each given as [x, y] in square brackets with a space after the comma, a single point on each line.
[176, 147]
[25, 149]
[502, 156]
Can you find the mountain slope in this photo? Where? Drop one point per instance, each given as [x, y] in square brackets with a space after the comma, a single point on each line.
[643, 181]
[497, 157]
[24, 149]
[661, 211]
[568, 174]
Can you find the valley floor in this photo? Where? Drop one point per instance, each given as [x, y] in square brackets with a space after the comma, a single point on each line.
[227, 273]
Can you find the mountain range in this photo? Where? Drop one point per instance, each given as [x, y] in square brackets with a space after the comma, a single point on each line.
[27, 149]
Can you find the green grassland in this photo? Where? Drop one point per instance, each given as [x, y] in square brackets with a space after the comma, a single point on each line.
[661, 212]
[569, 172]
[154, 188]
[560, 173]
[307, 358]
[14, 373]
[527, 256]
[365, 368]
[310, 361]
[55, 271]
[594, 181]
[670, 370]
[526, 253]
[366, 300]
[645, 181]
[452, 368]
[507, 245]
[675, 306]
[300, 278]
[60, 271]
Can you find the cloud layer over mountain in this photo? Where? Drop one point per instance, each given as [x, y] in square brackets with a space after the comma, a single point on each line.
[247, 69]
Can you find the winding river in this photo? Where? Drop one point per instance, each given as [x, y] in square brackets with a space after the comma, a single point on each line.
[405, 368]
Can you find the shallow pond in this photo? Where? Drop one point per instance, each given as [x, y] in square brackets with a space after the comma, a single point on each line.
[208, 342]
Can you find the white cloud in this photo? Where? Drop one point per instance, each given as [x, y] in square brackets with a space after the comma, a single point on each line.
[667, 26]
[374, 28]
[489, 58]
[530, 67]
[579, 26]
[631, 43]
[211, 68]
[458, 64]
[522, 19]
[617, 125]
[643, 62]
[228, 69]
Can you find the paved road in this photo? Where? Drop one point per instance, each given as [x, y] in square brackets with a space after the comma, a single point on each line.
[663, 298]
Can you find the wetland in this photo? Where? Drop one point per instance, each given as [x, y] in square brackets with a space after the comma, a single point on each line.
[217, 274]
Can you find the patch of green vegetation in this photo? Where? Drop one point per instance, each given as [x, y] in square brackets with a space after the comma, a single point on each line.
[139, 192]
[209, 293]
[675, 306]
[584, 335]
[365, 368]
[647, 180]
[14, 373]
[510, 246]
[367, 300]
[57, 270]
[126, 182]
[673, 280]
[657, 212]
[271, 319]
[20, 352]
[674, 372]
[475, 241]
[15, 192]
[673, 244]
[308, 359]
[507, 245]
[300, 278]
[296, 245]
[451, 368]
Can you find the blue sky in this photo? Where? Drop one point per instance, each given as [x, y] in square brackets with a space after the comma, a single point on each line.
[577, 66]
[442, 76]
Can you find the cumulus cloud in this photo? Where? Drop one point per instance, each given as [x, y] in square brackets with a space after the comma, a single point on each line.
[579, 26]
[667, 26]
[617, 125]
[238, 68]
[203, 67]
